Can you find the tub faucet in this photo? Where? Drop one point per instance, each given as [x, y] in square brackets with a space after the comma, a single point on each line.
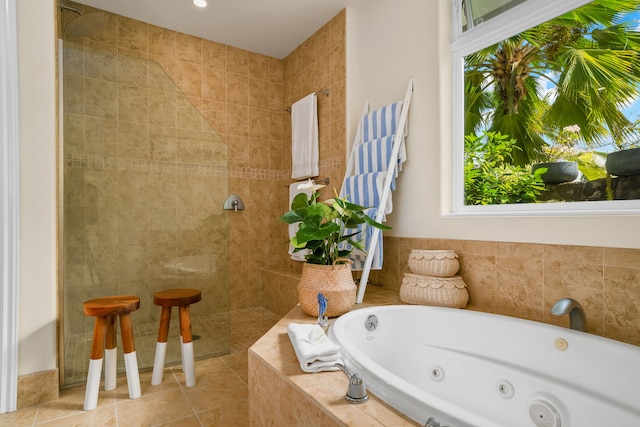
[356, 392]
[577, 319]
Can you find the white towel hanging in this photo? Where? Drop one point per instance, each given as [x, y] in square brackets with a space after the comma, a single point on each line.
[304, 138]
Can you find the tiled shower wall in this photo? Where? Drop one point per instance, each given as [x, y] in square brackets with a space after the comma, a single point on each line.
[144, 179]
[243, 98]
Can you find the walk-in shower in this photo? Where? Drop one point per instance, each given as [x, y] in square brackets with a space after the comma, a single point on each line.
[143, 179]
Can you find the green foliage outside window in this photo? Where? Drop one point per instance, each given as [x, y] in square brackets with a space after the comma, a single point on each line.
[490, 177]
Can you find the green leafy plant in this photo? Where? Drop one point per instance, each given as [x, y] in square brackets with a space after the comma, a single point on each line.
[491, 178]
[326, 228]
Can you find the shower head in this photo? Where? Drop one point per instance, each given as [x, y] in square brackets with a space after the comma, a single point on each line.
[85, 24]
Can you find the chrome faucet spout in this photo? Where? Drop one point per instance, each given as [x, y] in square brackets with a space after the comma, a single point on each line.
[357, 391]
[577, 318]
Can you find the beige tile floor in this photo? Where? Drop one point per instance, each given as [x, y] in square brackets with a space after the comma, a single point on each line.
[220, 397]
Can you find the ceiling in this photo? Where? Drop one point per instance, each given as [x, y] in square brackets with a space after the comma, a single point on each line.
[270, 27]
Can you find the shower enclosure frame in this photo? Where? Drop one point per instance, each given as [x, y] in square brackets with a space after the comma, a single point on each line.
[205, 173]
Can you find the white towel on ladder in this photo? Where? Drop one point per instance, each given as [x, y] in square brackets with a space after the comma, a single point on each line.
[304, 138]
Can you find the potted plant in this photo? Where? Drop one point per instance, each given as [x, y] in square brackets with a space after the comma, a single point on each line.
[560, 157]
[327, 230]
[626, 160]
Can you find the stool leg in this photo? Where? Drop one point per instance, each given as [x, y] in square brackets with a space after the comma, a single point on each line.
[161, 346]
[95, 364]
[130, 360]
[110, 354]
[188, 364]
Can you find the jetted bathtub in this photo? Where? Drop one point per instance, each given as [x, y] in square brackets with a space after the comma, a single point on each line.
[476, 369]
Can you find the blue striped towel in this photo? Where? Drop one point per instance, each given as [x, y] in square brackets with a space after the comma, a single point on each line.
[374, 156]
[366, 190]
[381, 122]
[357, 256]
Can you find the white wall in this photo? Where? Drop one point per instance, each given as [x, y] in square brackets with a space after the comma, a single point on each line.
[37, 297]
[392, 41]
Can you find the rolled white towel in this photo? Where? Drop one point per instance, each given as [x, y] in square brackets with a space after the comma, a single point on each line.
[315, 351]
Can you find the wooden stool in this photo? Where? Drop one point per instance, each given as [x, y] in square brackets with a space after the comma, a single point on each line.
[105, 311]
[175, 298]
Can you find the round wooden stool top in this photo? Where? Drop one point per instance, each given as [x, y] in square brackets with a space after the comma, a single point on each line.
[177, 297]
[111, 306]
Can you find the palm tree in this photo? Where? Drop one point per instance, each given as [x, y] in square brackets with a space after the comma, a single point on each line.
[592, 59]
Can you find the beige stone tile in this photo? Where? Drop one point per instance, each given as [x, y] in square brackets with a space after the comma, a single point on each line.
[519, 290]
[237, 120]
[213, 84]
[188, 116]
[132, 34]
[582, 282]
[100, 136]
[296, 407]
[238, 362]
[622, 304]
[162, 42]
[618, 257]
[71, 402]
[189, 78]
[133, 138]
[521, 250]
[133, 106]
[237, 60]
[235, 414]
[188, 421]
[100, 416]
[100, 61]
[275, 70]
[259, 121]
[213, 55]
[189, 48]
[162, 108]
[153, 408]
[133, 71]
[22, 417]
[100, 98]
[237, 89]
[217, 392]
[574, 254]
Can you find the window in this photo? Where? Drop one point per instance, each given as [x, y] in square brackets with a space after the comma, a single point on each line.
[520, 24]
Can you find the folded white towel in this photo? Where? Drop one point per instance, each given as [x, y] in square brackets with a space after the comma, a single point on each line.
[304, 138]
[315, 351]
[293, 228]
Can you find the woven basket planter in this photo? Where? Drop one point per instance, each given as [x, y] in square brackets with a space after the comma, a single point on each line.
[441, 263]
[335, 282]
[439, 291]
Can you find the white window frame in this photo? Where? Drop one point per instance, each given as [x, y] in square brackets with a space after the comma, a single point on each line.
[509, 23]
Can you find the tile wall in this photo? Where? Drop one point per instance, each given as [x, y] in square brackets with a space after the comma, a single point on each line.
[525, 280]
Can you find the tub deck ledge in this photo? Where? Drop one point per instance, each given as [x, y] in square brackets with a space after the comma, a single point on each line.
[280, 393]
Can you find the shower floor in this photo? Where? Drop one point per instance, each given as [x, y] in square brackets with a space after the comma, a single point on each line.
[214, 335]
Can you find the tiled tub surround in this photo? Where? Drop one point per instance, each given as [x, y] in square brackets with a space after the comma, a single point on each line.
[280, 393]
[515, 279]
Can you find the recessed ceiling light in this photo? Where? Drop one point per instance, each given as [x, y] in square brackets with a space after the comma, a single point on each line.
[200, 3]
